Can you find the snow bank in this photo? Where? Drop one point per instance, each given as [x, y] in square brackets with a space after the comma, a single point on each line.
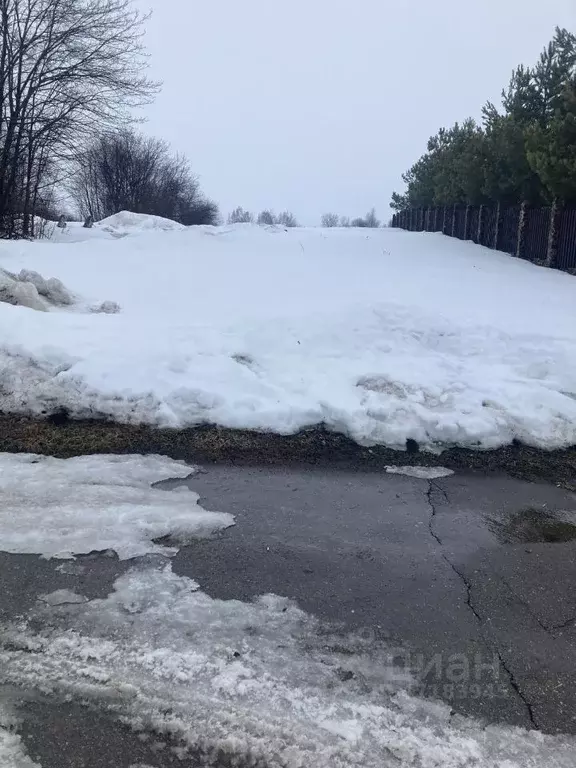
[61, 508]
[382, 335]
[258, 684]
[127, 223]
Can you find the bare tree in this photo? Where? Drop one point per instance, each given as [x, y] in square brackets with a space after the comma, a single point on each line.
[125, 171]
[68, 69]
[266, 218]
[330, 220]
[240, 216]
[286, 219]
[371, 219]
[345, 221]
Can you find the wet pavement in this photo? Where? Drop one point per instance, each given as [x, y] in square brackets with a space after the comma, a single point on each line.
[470, 578]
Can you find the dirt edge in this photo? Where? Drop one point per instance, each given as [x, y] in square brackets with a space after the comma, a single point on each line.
[315, 447]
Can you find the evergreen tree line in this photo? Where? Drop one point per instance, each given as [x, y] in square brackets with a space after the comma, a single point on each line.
[523, 152]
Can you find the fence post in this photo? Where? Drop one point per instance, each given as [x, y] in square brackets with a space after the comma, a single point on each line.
[497, 226]
[480, 225]
[453, 220]
[521, 230]
[555, 218]
[466, 220]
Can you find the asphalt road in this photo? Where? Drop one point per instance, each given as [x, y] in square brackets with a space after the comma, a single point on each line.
[470, 577]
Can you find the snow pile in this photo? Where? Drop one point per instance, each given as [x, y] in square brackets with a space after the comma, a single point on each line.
[252, 684]
[128, 223]
[29, 289]
[12, 291]
[106, 308]
[383, 335]
[61, 508]
[52, 288]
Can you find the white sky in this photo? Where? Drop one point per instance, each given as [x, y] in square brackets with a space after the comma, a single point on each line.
[320, 105]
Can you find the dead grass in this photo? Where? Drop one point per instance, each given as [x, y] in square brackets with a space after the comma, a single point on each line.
[312, 447]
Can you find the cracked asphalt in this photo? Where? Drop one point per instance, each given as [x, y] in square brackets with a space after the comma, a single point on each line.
[476, 598]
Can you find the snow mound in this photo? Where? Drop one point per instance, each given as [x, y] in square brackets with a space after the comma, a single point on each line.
[65, 507]
[106, 308]
[252, 684]
[383, 335]
[52, 288]
[20, 294]
[128, 223]
[30, 289]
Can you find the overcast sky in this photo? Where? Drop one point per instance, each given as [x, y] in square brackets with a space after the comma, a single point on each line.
[320, 105]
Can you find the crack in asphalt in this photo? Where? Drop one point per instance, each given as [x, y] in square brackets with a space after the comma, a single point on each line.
[518, 690]
[564, 625]
[527, 606]
[434, 487]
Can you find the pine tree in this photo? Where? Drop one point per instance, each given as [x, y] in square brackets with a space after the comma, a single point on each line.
[551, 149]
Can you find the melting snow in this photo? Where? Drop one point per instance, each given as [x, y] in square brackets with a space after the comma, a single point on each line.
[382, 335]
[259, 682]
[65, 507]
[424, 473]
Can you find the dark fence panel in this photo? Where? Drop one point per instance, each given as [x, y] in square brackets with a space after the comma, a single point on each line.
[508, 230]
[537, 227]
[489, 219]
[473, 219]
[531, 235]
[439, 218]
[566, 245]
[459, 221]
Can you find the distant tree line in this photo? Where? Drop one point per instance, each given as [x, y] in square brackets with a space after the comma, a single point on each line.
[333, 220]
[264, 218]
[268, 218]
[524, 151]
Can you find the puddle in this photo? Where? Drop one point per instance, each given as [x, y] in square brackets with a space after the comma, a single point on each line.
[533, 526]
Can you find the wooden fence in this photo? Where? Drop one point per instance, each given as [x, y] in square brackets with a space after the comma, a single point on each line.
[545, 236]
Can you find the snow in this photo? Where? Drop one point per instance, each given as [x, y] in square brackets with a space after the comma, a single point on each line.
[127, 223]
[119, 225]
[61, 597]
[64, 507]
[12, 752]
[423, 473]
[260, 682]
[383, 335]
